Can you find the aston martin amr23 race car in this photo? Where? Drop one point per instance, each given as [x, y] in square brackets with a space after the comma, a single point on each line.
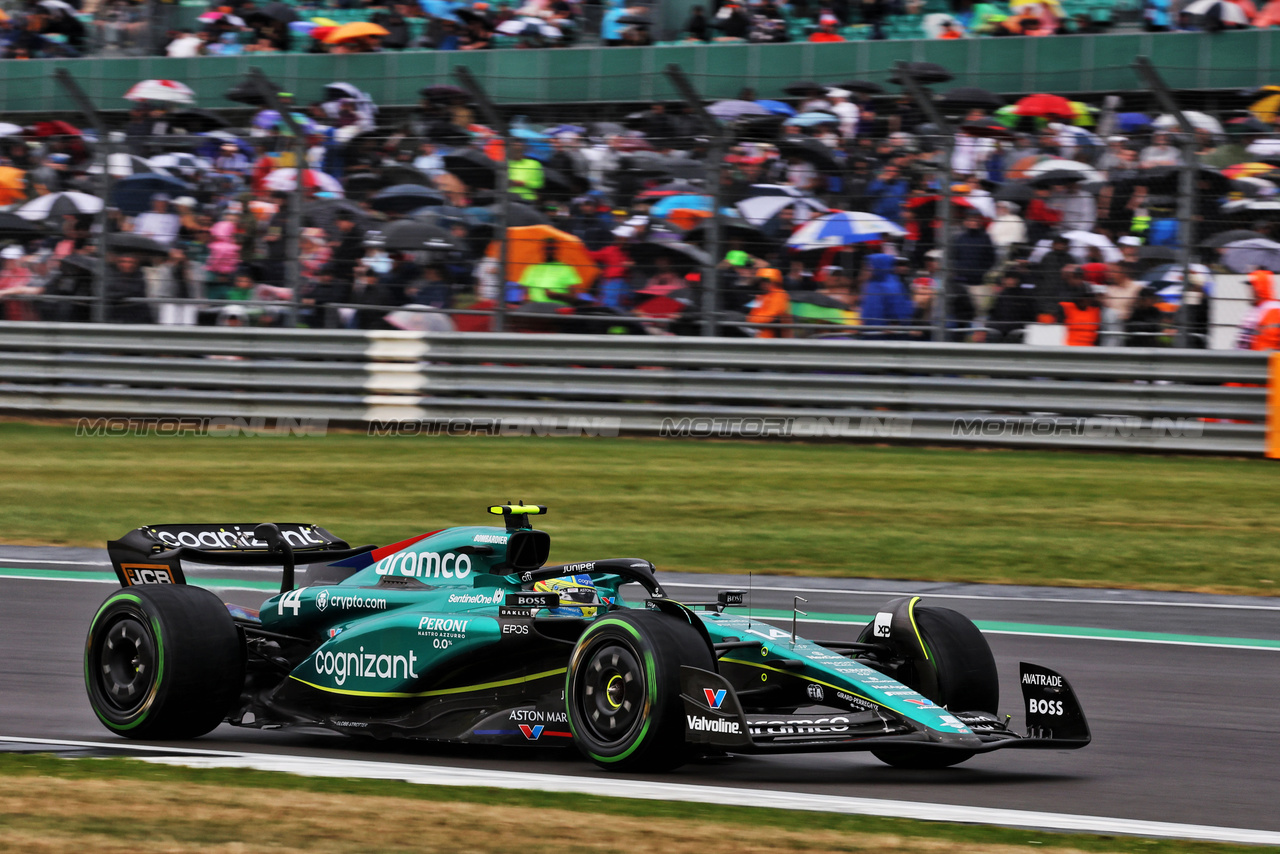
[465, 635]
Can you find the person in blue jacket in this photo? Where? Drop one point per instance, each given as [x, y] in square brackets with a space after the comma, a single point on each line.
[885, 301]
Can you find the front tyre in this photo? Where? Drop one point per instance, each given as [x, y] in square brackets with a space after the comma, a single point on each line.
[163, 662]
[623, 689]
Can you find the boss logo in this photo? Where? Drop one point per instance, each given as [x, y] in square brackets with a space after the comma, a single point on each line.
[145, 573]
[1044, 707]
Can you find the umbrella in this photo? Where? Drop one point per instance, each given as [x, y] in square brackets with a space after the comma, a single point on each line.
[842, 228]
[394, 175]
[443, 93]
[804, 87]
[528, 26]
[1171, 276]
[246, 92]
[340, 90]
[56, 127]
[167, 164]
[674, 188]
[1252, 206]
[473, 168]
[1045, 106]
[1165, 180]
[729, 229]
[811, 305]
[1081, 242]
[1247, 170]
[1222, 238]
[1198, 120]
[1248, 126]
[933, 24]
[526, 247]
[1047, 167]
[776, 190]
[169, 91]
[520, 215]
[810, 151]
[410, 235]
[323, 32]
[132, 195]
[1217, 11]
[760, 209]
[284, 180]
[363, 183]
[1132, 122]
[302, 27]
[681, 254]
[10, 129]
[433, 320]
[778, 108]
[277, 11]
[122, 165]
[56, 205]
[1014, 192]
[970, 97]
[356, 30]
[805, 120]
[687, 202]
[924, 73]
[13, 185]
[215, 17]
[198, 121]
[727, 111]
[321, 212]
[136, 244]
[988, 130]
[1244, 256]
[403, 198]
[925, 207]
[14, 226]
[1265, 148]
[864, 86]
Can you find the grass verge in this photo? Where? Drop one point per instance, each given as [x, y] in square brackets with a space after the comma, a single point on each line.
[1027, 517]
[59, 806]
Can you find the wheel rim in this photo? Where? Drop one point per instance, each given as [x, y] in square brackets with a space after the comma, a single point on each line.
[126, 664]
[610, 692]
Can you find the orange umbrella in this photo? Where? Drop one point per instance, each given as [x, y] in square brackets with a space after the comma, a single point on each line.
[686, 218]
[12, 185]
[1247, 170]
[1018, 170]
[357, 30]
[528, 247]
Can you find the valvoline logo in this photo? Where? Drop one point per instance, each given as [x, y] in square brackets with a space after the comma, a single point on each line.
[924, 703]
[532, 732]
[714, 697]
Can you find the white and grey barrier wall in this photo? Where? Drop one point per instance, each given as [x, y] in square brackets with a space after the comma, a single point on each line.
[1185, 401]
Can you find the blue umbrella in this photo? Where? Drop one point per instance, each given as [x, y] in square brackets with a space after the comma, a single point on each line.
[727, 111]
[778, 108]
[805, 120]
[303, 27]
[841, 228]
[1130, 122]
[535, 143]
[672, 203]
[132, 195]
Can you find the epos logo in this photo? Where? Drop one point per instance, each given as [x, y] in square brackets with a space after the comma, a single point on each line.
[145, 573]
[714, 697]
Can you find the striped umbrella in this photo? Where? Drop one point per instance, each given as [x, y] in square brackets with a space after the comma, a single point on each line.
[842, 228]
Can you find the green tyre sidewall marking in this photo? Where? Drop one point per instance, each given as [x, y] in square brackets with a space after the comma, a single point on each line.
[155, 630]
[650, 677]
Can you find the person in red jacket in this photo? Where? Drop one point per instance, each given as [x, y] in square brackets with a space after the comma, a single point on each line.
[1260, 328]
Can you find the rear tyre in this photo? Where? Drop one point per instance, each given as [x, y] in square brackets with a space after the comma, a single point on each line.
[622, 690]
[967, 681]
[164, 662]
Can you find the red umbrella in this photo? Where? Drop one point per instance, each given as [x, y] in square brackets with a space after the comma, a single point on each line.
[661, 308]
[54, 128]
[1045, 106]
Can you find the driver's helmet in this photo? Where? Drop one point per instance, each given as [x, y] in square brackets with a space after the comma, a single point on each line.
[578, 596]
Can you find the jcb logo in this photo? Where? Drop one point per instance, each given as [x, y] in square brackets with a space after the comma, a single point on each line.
[142, 573]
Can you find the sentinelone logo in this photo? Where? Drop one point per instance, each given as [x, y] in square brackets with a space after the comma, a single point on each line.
[215, 426]
[1094, 427]
[787, 427]
[518, 425]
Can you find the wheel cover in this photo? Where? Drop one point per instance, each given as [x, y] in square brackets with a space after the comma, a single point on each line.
[124, 665]
[609, 692]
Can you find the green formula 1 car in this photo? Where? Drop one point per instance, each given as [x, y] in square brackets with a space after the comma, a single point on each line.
[465, 635]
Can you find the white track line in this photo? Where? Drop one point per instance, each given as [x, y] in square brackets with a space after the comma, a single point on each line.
[984, 596]
[57, 562]
[666, 790]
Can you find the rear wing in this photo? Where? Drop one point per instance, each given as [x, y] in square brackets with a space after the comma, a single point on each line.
[153, 554]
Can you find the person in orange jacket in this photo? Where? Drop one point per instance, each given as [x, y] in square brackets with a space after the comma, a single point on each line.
[1260, 328]
[1081, 311]
[772, 306]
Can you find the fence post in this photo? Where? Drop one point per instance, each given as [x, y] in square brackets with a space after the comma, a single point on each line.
[715, 153]
[921, 97]
[293, 225]
[98, 311]
[503, 185]
[1186, 182]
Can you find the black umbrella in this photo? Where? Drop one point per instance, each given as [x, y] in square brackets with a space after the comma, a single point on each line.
[321, 212]
[729, 229]
[1057, 176]
[519, 215]
[1014, 192]
[556, 183]
[403, 198]
[758, 128]
[970, 97]
[803, 87]
[1165, 180]
[246, 92]
[1153, 256]
[276, 12]
[442, 93]
[810, 151]
[1222, 238]
[136, 244]
[447, 133]
[77, 265]
[924, 73]
[411, 235]
[473, 168]
[866, 87]
[12, 225]
[195, 120]
[393, 175]
[362, 184]
[442, 216]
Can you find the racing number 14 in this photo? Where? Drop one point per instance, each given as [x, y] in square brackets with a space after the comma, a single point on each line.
[291, 600]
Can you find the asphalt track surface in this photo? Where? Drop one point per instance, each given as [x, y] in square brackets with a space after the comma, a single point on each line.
[1180, 691]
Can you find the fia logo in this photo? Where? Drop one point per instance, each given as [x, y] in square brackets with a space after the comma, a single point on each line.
[714, 697]
[531, 732]
[815, 691]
